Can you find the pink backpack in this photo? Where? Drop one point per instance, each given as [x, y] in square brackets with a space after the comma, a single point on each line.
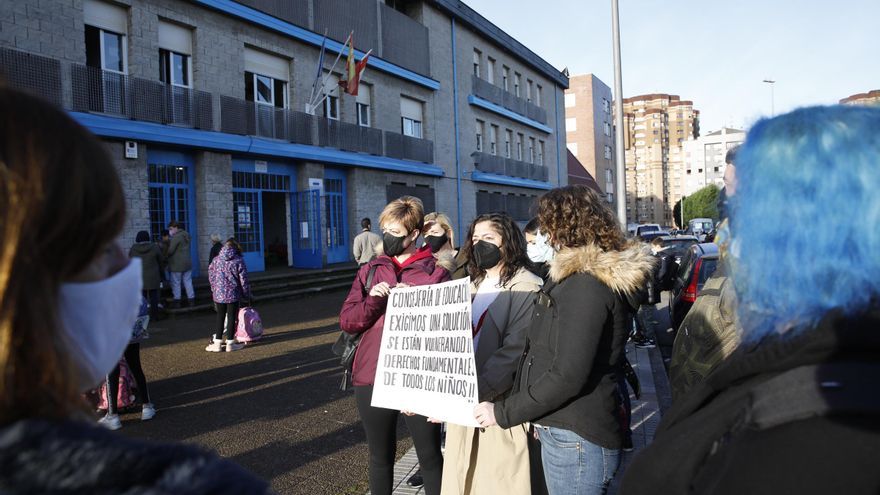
[125, 397]
[250, 326]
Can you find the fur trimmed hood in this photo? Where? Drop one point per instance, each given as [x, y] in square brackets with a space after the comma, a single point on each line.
[624, 272]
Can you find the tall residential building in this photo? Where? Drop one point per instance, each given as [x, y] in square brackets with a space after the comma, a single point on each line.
[203, 106]
[871, 98]
[656, 127]
[589, 131]
[704, 158]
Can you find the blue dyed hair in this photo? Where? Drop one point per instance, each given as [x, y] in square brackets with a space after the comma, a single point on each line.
[806, 218]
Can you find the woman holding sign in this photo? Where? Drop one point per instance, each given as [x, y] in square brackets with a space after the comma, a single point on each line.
[363, 312]
[567, 381]
[492, 460]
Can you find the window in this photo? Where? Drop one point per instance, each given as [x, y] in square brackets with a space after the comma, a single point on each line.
[519, 146]
[175, 51]
[569, 100]
[528, 90]
[607, 152]
[606, 106]
[411, 117]
[516, 81]
[531, 150]
[363, 105]
[493, 139]
[477, 56]
[265, 78]
[106, 27]
[607, 129]
[540, 152]
[480, 130]
[508, 140]
[716, 169]
[331, 102]
[571, 124]
[490, 70]
[538, 95]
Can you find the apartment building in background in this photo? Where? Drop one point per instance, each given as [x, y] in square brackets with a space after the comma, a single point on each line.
[656, 129]
[203, 107]
[589, 129]
[871, 98]
[704, 158]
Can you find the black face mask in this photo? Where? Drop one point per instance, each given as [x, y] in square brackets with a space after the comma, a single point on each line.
[436, 242]
[486, 254]
[392, 244]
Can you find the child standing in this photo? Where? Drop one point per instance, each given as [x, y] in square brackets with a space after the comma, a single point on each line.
[229, 287]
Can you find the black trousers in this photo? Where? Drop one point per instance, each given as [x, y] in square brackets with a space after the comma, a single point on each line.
[152, 295]
[380, 426]
[227, 312]
[133, 358]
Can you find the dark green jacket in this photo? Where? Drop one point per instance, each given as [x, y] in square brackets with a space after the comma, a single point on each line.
[151, 262]
[179, 259]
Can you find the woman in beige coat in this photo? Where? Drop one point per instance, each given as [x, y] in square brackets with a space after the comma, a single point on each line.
[494, 460]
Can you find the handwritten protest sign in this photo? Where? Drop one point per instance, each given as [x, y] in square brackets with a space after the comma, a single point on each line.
[426, 362]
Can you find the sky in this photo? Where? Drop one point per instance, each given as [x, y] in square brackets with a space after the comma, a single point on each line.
[715, 53]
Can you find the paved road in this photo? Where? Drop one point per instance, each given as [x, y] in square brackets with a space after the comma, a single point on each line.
[273, 407]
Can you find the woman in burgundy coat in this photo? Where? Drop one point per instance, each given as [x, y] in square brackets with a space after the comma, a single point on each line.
[400, 265]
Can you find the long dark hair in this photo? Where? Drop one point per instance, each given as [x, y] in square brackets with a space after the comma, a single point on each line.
[62, 202]
[513, 247]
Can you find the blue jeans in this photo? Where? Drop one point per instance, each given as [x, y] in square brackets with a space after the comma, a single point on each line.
[574, 466]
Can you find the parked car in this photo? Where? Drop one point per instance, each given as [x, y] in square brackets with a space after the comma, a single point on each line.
[696, 267]
[645, 228]
[678, 245]
[649, 236]
[700, 227]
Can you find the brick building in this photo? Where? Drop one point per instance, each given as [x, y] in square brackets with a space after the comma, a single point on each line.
[589, 131]
[202, 105]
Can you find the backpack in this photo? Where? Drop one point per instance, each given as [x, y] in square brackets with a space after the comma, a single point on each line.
[139, 330]
[250, 326]
[346, 344]
[125, 396]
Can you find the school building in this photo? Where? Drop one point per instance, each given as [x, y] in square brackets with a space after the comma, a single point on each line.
[203, 105]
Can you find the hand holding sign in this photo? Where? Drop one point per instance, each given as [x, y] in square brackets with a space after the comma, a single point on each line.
[426, 360]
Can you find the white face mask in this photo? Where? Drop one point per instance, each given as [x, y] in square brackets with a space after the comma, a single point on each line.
[540, 251]
[96, 321]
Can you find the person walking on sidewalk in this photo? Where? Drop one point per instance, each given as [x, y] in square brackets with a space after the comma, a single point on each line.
[180, 263]
[364, 246]
[69, 297]
[151, 263]
[229, 288]
[492, 460]
[402, 264]
[567, 381]
[794, 409]
[133, 360]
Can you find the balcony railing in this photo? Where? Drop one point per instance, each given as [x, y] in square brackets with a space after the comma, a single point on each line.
[408, 148]
[349, 137]
[494, 164]
[239, 116]
[31, 73]
[488, 91]
[96, 90]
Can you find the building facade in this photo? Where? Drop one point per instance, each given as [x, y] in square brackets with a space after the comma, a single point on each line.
[589, 130]
[204, 108]
[704, 158]
[656, 128]
[871, 98]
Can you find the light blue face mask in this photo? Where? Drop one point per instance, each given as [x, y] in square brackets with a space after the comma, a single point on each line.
[540, 251]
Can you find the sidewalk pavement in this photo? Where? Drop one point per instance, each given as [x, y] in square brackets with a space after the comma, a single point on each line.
[646, 412]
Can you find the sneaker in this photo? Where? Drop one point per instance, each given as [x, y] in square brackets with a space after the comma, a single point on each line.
[148, 411]
[232, 345]
[416, 480]
[646, 343]
[111, 422]
[215, 346]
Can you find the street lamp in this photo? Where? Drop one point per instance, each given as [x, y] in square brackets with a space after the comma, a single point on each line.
[619, 153]
[771, 83]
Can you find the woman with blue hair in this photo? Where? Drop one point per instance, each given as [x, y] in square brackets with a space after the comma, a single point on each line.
[795, 408]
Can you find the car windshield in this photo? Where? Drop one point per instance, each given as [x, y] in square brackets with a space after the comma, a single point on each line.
[648, 228]
[678, 243]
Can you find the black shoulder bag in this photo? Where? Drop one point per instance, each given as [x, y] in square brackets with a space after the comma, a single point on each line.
[346, 345]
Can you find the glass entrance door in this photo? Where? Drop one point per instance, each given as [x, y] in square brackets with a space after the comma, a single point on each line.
[335, 217]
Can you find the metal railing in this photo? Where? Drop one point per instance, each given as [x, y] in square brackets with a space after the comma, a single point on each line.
[408, 148]
[494, 164]
[100, 91]
[349, 137]
[32, 73]
[488, 91]
[248, 118]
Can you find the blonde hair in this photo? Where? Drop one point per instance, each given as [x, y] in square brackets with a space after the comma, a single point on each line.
[408, 210]
[444, 222]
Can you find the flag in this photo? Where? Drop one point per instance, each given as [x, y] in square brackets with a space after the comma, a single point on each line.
[319, 70]
[353, 69]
